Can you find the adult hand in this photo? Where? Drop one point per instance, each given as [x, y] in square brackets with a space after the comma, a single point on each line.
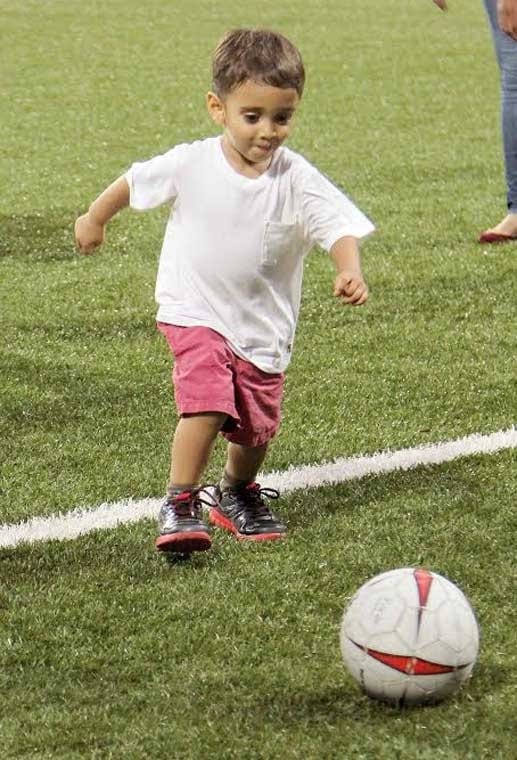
[442, 4]
[507, 17]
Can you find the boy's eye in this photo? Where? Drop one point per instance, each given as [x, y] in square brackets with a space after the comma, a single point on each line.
[281, 118]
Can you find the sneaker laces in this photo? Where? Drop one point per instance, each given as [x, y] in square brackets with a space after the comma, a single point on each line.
[191, 500]
[254, 495]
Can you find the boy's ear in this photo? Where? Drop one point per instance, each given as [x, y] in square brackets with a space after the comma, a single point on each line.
[215, 108]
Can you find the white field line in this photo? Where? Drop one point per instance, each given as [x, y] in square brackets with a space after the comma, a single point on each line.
[81, 521]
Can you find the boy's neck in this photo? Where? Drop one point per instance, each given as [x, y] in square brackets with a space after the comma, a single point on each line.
[240, 163]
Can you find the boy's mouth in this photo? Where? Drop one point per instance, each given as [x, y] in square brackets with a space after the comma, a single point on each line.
[265, 147]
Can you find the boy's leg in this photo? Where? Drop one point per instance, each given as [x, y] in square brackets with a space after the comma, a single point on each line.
[180, 519]
[242, 464]
[241, 508]
[192, 444]
[203, 388]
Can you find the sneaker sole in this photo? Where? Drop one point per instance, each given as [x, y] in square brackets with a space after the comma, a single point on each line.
[221, 521]
[183, 543]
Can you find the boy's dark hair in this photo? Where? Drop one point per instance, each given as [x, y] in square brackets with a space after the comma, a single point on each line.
[259, 55]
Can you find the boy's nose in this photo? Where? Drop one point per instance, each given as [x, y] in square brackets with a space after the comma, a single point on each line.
[268, 130]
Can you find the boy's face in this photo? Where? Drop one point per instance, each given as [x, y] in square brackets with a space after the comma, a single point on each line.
[256, 118]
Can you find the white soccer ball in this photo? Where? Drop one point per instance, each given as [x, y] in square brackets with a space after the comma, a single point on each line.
[409, 637]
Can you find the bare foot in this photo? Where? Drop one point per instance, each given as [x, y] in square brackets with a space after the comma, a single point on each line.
[508, 226]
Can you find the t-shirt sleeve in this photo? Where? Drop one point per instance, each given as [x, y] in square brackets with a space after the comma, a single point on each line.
[156, 181]
[328, 214]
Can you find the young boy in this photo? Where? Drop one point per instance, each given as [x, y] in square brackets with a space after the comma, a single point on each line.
[244, 213]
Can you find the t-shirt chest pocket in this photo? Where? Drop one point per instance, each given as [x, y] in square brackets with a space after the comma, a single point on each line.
[279, 240]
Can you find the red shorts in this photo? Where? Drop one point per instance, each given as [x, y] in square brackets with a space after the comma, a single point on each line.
[209, 377]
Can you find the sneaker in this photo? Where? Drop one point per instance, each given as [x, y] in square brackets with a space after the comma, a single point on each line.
[242, 511]
[181, 526]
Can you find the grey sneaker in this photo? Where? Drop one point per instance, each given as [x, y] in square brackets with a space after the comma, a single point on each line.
[181, 525]
[242, 511]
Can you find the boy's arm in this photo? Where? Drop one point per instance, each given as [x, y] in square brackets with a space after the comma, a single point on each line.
[89, 228]
[349, 284]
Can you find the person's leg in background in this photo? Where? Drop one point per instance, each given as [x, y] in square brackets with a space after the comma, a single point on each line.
[506, 52]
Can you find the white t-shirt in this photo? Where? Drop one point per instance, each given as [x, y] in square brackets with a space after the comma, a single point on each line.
[233, 251]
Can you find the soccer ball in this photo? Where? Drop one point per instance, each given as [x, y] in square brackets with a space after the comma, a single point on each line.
[409, 637]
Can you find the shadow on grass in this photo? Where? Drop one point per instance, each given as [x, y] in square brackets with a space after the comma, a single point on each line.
[99, 552]
[43, 235]
[488, 678]
[332, 704]
[326, 706]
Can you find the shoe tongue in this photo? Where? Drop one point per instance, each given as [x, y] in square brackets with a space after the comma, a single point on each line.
[184, 496]
[173, 493]
[181, 502]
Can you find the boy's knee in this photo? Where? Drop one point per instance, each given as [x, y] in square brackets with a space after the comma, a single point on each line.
[217, 420]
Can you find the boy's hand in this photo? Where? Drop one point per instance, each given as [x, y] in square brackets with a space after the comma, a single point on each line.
[507, 17]
[351, 288]
[88, 234]
[441, 4]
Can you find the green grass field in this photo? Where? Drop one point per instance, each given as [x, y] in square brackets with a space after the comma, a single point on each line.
[106, 649]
